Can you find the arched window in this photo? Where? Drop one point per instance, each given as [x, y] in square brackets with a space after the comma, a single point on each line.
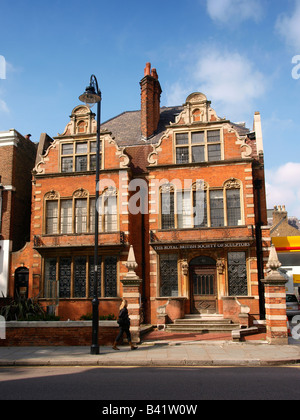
[51, 201]
[233, 202]
[76, 214]
[107, 208]
[201, 206]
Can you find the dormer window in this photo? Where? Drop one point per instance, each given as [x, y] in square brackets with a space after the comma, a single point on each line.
[79, 156]
[198, 146]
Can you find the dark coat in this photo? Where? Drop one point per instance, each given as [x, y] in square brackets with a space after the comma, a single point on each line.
[124, 320]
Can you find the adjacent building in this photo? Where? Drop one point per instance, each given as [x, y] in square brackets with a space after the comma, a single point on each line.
[17, 159]
[285, 236]
[185, 187]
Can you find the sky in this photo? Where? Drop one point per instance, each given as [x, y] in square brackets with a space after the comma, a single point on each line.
[244, 55]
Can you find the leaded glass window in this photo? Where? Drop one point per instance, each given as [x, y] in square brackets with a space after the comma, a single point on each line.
[200, 207]
[80, 277]
[74, 272]
[233, 207]
[50, 278]
[79, 156]
[184, 211]
[216, 208]
[81, 215]
[65, 277]
[198, 146]
[66, 216]
[51, 217]
[92, 276]
[110, 212]
[169, 275]
[237, 274]
[167, 210]
[110, 277]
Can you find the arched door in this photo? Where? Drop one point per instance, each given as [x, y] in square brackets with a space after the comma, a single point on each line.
[203, 284]
[21, 282]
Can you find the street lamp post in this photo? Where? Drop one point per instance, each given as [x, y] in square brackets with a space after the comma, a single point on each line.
[90, 97]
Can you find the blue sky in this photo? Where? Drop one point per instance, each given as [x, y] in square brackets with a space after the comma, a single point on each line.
[237, 52]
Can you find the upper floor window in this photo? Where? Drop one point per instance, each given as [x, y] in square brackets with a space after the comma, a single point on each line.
[79, 156]
[76, 215]
[198, 146]
[201, 206]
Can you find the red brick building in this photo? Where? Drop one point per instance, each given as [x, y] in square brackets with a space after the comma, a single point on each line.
[17, 157]
[183, 186]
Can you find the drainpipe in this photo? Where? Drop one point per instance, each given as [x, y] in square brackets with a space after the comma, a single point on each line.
[259, 253]
[1, 190]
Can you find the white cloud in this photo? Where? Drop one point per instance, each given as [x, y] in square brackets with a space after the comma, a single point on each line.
[230, 80]
[234, 11]
[3, 106]
[177, 93]
[288, 27]
[283, 187]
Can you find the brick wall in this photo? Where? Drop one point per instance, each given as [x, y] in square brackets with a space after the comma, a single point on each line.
[53, 335]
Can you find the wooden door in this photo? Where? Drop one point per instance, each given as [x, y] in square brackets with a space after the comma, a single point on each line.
[203, 289]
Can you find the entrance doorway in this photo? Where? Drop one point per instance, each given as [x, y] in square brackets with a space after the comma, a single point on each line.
[21, 282]
[203, 284]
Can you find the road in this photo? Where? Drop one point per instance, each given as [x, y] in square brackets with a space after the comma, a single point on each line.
[149, 384]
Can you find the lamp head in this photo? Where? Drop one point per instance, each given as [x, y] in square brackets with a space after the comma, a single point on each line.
[90, 97]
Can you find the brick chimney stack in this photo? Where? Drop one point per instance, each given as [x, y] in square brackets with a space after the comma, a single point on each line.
[150, 102]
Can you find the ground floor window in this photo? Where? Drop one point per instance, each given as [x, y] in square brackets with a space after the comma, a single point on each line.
[237, 274]
[73, 277]
[168, 275]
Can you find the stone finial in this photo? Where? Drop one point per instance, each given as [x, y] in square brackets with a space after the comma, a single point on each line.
[131, 278]
[273, 262]
[131, 264]
[274, 276]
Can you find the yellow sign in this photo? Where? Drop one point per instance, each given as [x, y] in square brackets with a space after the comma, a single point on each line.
[287, 243]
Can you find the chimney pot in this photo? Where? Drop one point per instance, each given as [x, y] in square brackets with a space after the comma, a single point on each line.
[154, 74]
[147, 69]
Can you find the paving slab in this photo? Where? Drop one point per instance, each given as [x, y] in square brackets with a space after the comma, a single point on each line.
[156, 354]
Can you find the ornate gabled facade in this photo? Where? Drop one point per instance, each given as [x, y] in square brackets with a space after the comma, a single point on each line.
[184, 187]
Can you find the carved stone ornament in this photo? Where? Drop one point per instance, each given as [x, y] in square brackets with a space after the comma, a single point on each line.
[220, 266]
[199, 185]
[52, 195]
[110, 192]
[167, 188]
[81, 193]
[185, 267]
[232, 183]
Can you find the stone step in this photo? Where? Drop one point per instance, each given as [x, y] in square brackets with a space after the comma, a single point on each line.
[201, 328]
[202, 321]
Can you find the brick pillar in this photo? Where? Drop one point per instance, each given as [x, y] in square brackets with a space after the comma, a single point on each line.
[131, 293]
[275, 302]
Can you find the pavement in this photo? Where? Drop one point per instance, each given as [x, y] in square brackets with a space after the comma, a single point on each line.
[162, 353]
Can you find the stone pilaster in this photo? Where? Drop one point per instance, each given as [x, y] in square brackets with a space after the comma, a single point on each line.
[275, 302]
[131, 293]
